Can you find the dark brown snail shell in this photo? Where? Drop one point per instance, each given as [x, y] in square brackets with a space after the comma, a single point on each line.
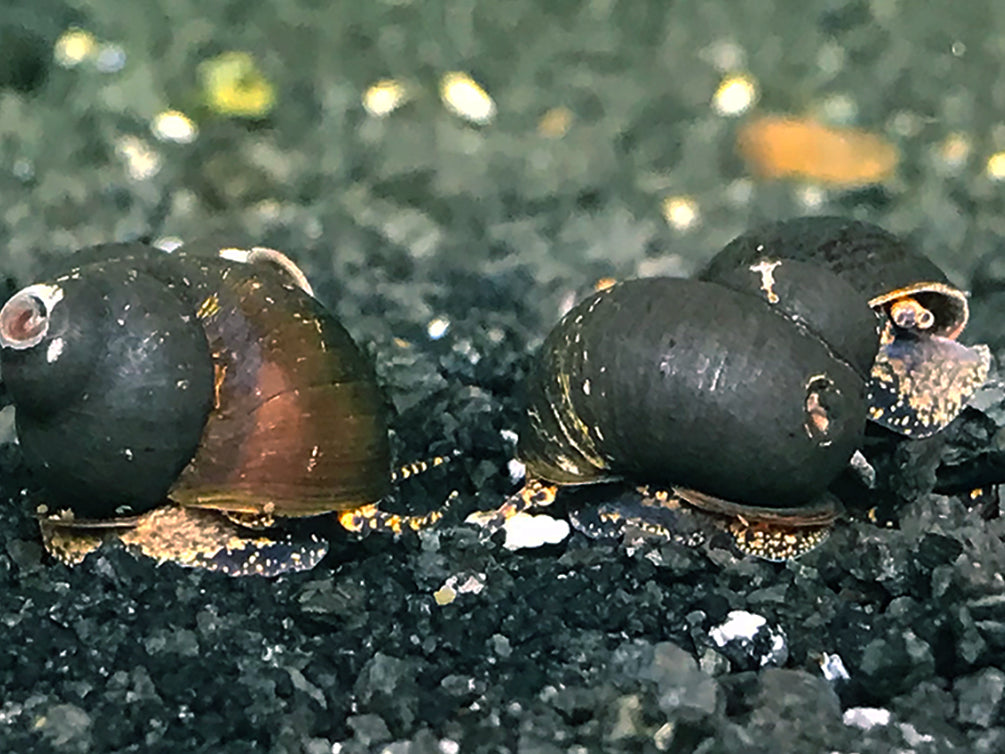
[921, 377]
[140, 377]
[735, 403]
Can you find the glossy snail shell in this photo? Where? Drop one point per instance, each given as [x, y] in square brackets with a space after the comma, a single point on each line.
[693, 385]
[140, 376]
[921, 377]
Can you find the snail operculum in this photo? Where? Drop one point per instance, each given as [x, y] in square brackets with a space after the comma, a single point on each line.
[921, 377]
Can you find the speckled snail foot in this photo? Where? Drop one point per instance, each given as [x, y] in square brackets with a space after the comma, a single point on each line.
[737, 405]
[921, 377]
[195, 408]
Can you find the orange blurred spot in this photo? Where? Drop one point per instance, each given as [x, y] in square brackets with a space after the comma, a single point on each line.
[603, 284]
[555, 123]
[783, 147]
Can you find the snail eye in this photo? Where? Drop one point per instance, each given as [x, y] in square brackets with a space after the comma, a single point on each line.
[24, 321]
[909, 314]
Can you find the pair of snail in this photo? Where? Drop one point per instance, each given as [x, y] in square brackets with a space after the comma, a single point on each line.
[191, 405]
[746, 391]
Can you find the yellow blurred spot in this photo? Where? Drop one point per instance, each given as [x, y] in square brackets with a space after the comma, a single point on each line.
[384, 97]
[464, 98]
[172, 125]
[811, 197]
[784, 147]
[555, 123]
[141, 161]
[681, 212]
[996, 166]
[735, 95]
[954, 151]
[444, 595]
[233, 85]
[73, 47]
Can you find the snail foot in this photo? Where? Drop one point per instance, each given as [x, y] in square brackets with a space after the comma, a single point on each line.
[653, 512]
[256, 521]
[534, 494]
[775, 542]
[920, 383]
[188, 537]
[369, 518]
[71, 544]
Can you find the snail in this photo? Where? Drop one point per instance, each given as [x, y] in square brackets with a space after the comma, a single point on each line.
[921, 377]
[188, 404]
[742, 407]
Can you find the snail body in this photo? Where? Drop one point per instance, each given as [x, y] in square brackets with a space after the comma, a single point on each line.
[921, 377]
[140, 378]
[736, 405]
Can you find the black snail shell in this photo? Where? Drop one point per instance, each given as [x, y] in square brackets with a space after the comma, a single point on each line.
[140, 377]
[921, 376]
[742, 407]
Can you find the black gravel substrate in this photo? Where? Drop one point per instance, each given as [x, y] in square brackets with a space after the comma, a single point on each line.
[448, 248]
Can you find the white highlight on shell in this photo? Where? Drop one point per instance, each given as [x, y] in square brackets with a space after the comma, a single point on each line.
[47, 293]
[265, 255]
[168, 243]
[766, 269]
[55, 350]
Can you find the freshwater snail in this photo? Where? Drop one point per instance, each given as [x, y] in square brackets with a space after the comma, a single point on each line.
[185, 404]
[740, 406]
[921, 377]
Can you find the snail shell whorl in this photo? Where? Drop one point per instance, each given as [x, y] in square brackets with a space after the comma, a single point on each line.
[688, 383]
[814, 299]
[299, 425]
[112, 400]
[141, 375]
[873, 261]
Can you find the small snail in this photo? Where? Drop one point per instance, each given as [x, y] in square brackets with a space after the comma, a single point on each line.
[184, 404]
[921, 377]
[744, 408]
